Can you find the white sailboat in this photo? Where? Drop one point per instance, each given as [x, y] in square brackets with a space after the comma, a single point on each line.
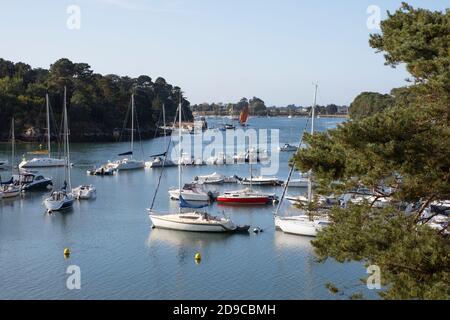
[193, 220]
[160, 160]
[302, 224]
[63, 199]
[128, 163]
[42, 162]
[11, 190]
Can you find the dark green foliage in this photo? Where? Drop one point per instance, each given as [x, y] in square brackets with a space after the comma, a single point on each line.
[368, 103]
[404, 144]
[97, 104]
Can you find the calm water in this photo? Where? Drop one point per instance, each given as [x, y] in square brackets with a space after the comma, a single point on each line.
[121, 257]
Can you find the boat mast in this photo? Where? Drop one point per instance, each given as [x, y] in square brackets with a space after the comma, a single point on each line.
[312, 132]
[179, 150]
[66, 141]
[164, 118]
[48, 124]
[13, 142]
[132, 125]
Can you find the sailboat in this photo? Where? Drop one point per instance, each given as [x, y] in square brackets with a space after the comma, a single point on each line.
[128, 163]
[43, 161]
[11, 189]
[247, 196]
[243, 117]
[301, 224]
[160, 160]
[192, 220]
[63, 199]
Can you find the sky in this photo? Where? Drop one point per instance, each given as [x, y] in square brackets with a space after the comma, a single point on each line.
[215, 50]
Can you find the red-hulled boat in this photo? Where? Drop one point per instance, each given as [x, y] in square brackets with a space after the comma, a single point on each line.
[246, 196]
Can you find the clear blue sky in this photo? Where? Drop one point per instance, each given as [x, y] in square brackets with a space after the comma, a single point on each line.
[216, 50]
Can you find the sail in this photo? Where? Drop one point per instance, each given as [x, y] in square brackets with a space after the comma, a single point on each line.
[244, 115]
[185, 204]
[126, 153]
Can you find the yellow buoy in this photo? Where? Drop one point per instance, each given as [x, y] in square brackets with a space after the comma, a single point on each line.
[66, 252]
[198, 257]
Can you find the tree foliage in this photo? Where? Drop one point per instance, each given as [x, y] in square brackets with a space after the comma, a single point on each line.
[97, 103]
[368, 103]
[405, 146]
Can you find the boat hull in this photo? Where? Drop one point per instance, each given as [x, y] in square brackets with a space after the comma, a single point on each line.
[130, 165]
[163, 222]
[189, 196]
[249, 200]
[58, 205]
[301, 227]
[42, 163]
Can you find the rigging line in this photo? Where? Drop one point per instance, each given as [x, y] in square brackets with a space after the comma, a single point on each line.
[292, 169]
[125, 121]
[164, 163]
[139, 132]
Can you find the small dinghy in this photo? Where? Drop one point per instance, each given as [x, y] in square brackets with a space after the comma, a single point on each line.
[85, 192]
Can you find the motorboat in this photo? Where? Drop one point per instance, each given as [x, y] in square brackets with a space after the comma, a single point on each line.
[246, 196]
[215, 178]
[29, 181]
[191, 192]
[63, 199]
[301, 225]
[48, 161]
[288, 148]
[261, 181]
[84, 192]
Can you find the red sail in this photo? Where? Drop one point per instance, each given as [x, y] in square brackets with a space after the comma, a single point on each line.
[244, 115]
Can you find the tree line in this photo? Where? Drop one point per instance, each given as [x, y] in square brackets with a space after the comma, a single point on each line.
[257, 107]
[97, 104]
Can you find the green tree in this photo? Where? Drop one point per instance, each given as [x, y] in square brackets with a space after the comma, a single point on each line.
[369, 103]
[405, 146]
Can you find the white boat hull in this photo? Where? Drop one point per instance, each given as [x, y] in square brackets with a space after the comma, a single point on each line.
[298, 183]
[174, 222]
[10, 193]
[56, 205]
[41, 163]
[129, 164]
[85, 192]
[300, 227]
[189, 195]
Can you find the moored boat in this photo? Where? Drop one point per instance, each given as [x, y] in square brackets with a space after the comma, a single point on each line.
[63, 199]
[48, 161]
[246, 196]
[84, 192]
